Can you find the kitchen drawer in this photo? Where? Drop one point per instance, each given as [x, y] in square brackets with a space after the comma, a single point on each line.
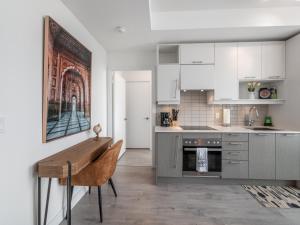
[235, 169]
[235, 137]
[235, 155]
[235, 146]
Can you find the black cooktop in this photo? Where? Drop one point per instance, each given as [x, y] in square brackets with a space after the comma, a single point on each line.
[197, 128]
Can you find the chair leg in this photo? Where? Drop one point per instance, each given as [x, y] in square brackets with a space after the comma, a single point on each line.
[100, 203]
[113, 186]
[72, 190]
[89, 190]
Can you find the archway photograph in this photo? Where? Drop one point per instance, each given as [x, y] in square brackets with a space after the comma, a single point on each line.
[67, 83]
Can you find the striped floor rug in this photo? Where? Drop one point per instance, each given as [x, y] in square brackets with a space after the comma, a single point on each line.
[275, 196]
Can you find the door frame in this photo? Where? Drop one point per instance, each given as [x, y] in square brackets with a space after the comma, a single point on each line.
[113, 119]
[110, 75]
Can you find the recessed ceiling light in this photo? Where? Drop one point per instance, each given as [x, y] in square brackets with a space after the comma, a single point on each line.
[120, 29]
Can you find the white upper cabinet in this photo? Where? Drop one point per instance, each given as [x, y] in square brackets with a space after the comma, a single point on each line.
[226, 80]
[197, 77]
[168, 91]
[197, 53]
[273, 60]
[249, 60]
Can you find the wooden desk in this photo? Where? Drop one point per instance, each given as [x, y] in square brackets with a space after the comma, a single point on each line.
[66, 163]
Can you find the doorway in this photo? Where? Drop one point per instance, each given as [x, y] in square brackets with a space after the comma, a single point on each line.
[136, 102]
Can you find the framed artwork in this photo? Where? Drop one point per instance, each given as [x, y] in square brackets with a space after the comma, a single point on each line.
[67, 83]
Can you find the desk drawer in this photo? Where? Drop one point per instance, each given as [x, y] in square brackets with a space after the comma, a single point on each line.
[235, 155]
[235, 146]
[234, 137]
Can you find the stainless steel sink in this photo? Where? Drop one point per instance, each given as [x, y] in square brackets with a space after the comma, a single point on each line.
[263, 128]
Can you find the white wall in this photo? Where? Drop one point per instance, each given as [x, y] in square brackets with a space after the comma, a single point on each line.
[21, 58]
[287, 115]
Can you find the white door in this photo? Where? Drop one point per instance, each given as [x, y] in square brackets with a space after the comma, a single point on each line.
[168, 91]
[119, 110]
[273, 60]
[226, 80]
[249, 60]
[138, 95]
[196, 77]
[203, 53]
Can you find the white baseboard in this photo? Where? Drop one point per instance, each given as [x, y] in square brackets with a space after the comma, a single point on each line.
[60, 216]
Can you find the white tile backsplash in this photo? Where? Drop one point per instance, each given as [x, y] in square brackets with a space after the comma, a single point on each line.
[195, 111]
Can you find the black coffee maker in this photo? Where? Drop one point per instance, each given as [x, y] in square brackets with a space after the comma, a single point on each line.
[165, 120]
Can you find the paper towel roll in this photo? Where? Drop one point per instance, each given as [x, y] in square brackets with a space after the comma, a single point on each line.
[226, 117]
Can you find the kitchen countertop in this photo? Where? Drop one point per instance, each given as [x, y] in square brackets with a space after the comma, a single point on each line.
[221, 129]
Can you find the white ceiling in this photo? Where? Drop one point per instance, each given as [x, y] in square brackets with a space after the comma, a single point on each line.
[194, 5]
[102, 16]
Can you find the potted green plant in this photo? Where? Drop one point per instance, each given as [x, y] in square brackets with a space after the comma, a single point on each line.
[251, 89]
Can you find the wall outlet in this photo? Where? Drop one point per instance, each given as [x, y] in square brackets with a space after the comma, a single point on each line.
[2, 125]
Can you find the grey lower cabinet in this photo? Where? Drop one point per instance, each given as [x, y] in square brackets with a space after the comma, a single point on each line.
[235, 156]
[234, 169]
[288, 156]
[169, 155]
[262, 156]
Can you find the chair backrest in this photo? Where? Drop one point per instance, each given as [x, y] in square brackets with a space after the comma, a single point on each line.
[115, 149]
[107, 162]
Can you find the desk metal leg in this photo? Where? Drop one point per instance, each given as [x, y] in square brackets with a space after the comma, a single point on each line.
[47, 201]
[69, 184]
[39, 201]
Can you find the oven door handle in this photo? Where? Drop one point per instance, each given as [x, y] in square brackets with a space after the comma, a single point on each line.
[208, 149]
[189, 149]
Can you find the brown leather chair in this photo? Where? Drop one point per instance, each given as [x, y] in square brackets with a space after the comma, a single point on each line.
[99, 172]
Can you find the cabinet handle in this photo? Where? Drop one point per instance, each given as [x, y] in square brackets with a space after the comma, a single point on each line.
[260, 134]
[235, 162]
[176, 87]
[197, 62]
[233, 135]
[232, 143]
[249, 77]
[274, 77]
[289, 135]
[232, 153]
[176, 152]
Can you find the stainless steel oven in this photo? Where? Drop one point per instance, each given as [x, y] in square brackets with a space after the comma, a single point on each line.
[202, 157]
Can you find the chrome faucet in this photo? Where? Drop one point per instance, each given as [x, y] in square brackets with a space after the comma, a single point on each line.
[250, 120]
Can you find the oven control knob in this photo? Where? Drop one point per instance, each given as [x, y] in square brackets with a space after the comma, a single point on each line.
[195, 142]
[218, 142]
[214, 142]
[190, 142]
[208, 142]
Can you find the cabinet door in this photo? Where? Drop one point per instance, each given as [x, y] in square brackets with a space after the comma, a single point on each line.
[288, 156]
[273, 60]
[262, 156]
[249, 60]
[168, 91]
[169, 155]
[226, 80]
[197, 53]
[197, 77]
[234, 169]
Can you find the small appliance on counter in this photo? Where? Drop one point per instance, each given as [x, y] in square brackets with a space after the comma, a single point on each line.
[175, 117]
[268, 121]
[226, 117]
[165, 120]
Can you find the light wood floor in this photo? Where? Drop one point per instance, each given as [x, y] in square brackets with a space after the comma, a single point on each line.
[136, 157]
[140, 202]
